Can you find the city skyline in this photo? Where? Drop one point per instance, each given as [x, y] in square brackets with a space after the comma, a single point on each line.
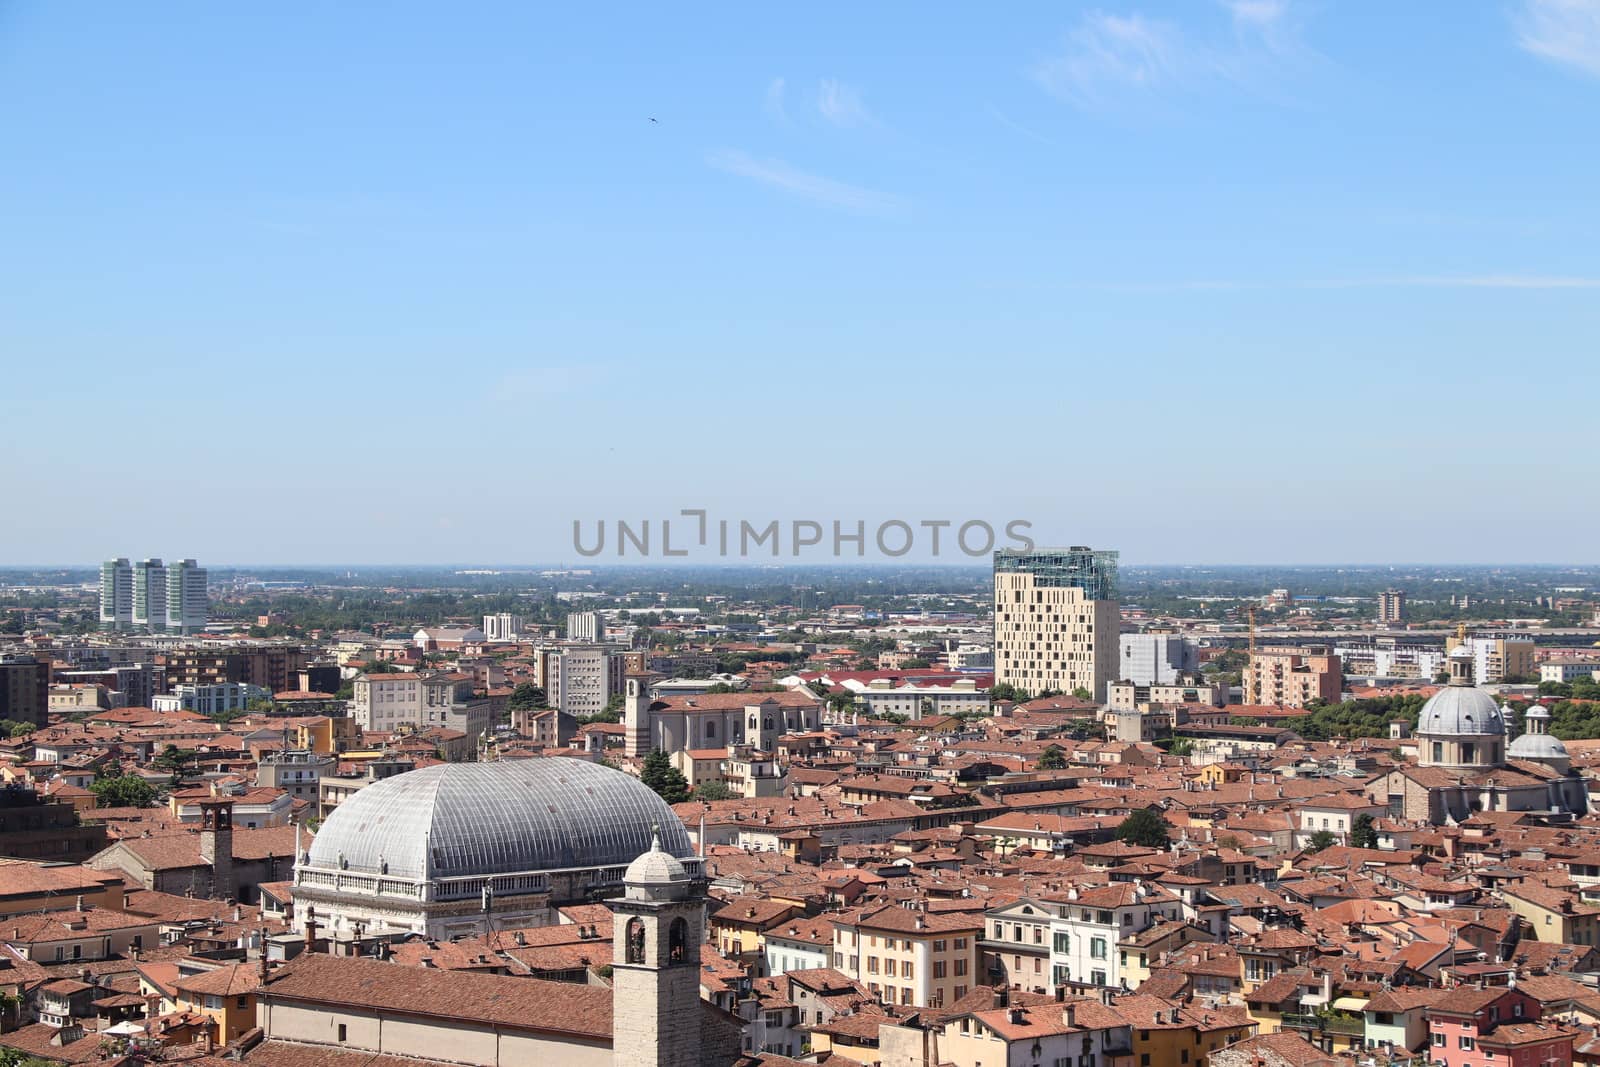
[1253, 264]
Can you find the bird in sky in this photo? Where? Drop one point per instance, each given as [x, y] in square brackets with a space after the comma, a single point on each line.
[653, 120]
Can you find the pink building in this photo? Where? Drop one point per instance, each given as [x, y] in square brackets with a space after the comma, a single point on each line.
[1494, 1027]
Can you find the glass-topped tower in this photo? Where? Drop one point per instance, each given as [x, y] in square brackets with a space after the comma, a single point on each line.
[1056, 620]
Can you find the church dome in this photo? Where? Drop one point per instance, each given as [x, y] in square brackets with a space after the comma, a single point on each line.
[475, 819]
[1461, 711]
[1541, 747]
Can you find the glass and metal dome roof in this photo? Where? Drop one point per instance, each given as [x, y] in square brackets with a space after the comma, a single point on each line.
[471, 819]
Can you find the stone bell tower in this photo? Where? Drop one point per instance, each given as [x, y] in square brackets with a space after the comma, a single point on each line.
[655, 970]
[639, 738]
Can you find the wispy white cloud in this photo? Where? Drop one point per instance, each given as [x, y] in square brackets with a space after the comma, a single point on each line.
[1109, 58]
[1563, 31]
[1113, 52]
[841, 105]
[1257, 12]
[777, 174]
[775, 106]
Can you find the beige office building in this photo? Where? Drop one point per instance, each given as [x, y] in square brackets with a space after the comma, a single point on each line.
[1056, 620]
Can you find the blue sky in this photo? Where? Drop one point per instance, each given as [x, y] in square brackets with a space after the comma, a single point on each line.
[1259, 281]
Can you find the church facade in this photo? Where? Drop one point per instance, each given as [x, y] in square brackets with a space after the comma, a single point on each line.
[1464, 764]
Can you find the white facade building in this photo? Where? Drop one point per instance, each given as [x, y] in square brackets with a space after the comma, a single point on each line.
[150, 594]
[1084, 937]
[1155, 659]
[914, 701]
[586, 626]
[186, 597]
[209, 699]
[581, 679]
[116, 594]
[502, 627]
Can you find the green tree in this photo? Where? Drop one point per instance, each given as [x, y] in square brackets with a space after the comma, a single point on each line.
[1320, 840]
[1052, 759]
[1082, 694]
[712, 790]
[526, 696]
[660, 775]
[172, 758]
[128, 791]
[1181, 746]
[1146, 828]
[1362, 833]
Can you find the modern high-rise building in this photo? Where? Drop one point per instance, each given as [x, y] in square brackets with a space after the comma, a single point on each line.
[116, 594]
[1056, 619]
[1155, 658]
[150, 594]
[586, 626]
[186, 597]
[502, 627]
[580, 678]
[1392, 605]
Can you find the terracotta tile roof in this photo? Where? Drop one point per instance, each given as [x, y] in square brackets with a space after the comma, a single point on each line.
[520, 1003]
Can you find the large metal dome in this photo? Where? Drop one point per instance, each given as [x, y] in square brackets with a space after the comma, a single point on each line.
[1461, 711]
[470, 819]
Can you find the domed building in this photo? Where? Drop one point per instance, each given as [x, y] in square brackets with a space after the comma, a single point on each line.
[1461, 727]
[1465, 766]
[466, 848]
[1537, 745]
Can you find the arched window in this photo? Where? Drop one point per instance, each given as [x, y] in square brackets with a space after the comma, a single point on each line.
[635, 940]
[711, 730]
[677, 941]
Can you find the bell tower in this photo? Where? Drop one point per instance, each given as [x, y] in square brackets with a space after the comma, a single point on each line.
[655, 970]
[639, 739]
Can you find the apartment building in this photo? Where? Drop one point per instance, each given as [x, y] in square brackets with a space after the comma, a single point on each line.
[150, 582]
[503, 626]
[386, 701]
[909, 956]
[186, 597]
[1498, 657]
[116, 594]
[1056, 619]
[1090, 923]
[24, 688]
[1391, 606]
[581, 678]
[413, 701]
[1155, 658]
[1127, 696]
[1569, 670]
[273, 667]
[586, 626]
[882, 696]
[210, 699]
[1293, 677]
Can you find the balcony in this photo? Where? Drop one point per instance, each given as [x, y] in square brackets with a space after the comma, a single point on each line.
[1341, 1023]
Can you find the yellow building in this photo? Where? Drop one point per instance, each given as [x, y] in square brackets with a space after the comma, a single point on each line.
[225, 995]
[909, 957]
[1556, 915]
[326, 735]
[1167, 1032]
